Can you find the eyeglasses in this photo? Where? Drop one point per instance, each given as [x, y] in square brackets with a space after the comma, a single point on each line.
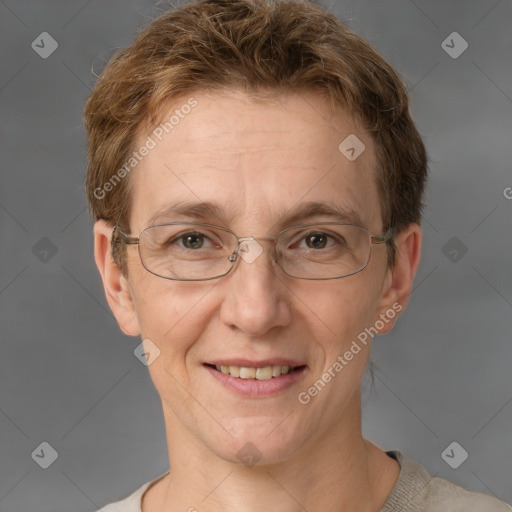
[189, 251]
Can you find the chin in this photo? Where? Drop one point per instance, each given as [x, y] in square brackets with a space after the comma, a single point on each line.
[257, 441]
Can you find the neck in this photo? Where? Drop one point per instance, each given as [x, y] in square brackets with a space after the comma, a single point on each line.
[357, 474]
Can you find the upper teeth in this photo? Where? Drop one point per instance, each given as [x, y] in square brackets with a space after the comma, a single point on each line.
[243, 372]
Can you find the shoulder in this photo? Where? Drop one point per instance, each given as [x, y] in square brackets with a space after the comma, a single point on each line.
[417, 491]
[449, 497]
[131, 503]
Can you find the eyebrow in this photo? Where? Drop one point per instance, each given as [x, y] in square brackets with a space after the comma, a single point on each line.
[205, 211]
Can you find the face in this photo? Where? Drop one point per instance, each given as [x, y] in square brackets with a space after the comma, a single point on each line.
[257, 161]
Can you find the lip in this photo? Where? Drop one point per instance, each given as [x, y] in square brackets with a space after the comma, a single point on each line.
[252, 388]
[256, 364]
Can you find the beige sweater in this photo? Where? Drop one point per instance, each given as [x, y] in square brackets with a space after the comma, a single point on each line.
[414, 491]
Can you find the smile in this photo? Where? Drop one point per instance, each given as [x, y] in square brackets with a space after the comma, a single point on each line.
[261, 373]
[256, 379]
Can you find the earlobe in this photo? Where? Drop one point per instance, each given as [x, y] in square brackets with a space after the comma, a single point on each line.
[398, 284]
[117, 291]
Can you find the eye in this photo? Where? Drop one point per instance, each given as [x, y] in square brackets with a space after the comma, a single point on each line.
[316, 240]
[192, 240]
[325, 241]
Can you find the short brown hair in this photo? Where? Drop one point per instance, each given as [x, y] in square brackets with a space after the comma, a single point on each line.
[255, 46]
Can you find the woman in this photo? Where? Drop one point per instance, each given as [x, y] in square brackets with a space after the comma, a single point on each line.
[257, 182]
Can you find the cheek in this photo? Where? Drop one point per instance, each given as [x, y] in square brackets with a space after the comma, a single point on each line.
[342, 311]
[172, 314]
[173, 317]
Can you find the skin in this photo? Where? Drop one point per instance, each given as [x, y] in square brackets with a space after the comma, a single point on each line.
[257, 160]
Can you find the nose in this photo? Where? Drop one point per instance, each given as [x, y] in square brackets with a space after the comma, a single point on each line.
[255, 299]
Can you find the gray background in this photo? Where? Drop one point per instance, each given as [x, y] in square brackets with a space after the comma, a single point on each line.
[68, 376]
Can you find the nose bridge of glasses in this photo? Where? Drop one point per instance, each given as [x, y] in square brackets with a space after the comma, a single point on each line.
[249, 248]
[255, 238]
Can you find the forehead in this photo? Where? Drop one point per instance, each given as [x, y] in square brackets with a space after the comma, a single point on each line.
[255, 160]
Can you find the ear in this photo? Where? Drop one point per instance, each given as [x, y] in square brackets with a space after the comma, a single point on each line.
[399, 279]
[117, 290]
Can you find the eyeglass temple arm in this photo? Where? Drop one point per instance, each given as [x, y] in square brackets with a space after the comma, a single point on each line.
[384, 237]
[118, 235]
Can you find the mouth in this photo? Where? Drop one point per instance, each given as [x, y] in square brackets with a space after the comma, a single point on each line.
[266, 372]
